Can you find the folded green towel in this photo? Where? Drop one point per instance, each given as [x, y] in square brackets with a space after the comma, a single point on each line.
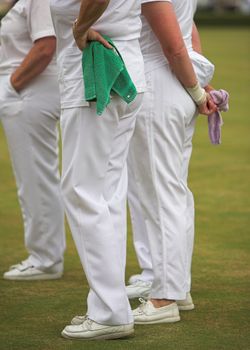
[104, 71]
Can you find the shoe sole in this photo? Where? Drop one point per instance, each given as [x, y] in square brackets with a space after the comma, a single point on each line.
[33, 278]
[110, 336]
[186, 307]
[162, 320]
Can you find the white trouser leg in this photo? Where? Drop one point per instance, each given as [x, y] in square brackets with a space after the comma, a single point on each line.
[139, 229]
[158, 150]
[190, 200]
[30, 125]
[140, 238]
[94, 158]
[203, 71]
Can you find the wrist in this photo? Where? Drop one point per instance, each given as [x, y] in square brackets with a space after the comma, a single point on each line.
[197, 93]
[78, 30]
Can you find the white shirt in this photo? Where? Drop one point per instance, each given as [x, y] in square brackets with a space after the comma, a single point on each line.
[150, 46]
[120, 21]
[26, 22]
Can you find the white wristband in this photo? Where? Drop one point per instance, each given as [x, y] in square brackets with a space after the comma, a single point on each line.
[198, 94]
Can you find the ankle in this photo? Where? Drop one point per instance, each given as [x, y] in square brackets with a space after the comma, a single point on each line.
[161, 302]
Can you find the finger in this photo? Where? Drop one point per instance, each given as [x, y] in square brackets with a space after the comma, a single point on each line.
[104, 42]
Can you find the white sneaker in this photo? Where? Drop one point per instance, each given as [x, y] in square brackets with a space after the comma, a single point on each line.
[186, 304]
[134, 278]
[90, 330]
[78, 319]
[26, 272]
[139, 289]
[146, 313]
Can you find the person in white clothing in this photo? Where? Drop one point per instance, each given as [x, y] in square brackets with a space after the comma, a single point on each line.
[94, 152]
[159, 155]
[29, 112]
[140, 284]
[94, 158]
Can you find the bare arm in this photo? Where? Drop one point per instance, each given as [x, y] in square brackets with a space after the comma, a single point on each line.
[162, 19]
[196, 41]
[90, 11]
[34, 63]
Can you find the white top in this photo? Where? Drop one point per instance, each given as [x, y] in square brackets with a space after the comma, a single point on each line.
[26, 22]
[120, 21]
[150, 46]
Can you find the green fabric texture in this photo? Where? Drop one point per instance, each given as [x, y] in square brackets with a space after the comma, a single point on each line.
[104, 72]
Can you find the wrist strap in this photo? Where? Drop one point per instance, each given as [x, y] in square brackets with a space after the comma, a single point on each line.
[197, 93]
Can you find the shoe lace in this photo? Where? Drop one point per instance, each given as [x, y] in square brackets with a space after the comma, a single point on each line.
[142, 306]
[88, 322]
[141, 283]
[23, 265]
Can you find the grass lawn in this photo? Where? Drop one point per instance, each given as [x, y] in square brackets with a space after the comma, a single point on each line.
[33, 314]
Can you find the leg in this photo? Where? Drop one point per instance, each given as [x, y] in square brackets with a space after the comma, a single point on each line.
[32, 136]
[190, 200]
[138, 225]
[159, 142]
[94, 157]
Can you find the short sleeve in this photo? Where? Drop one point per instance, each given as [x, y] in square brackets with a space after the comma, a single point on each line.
[145, 1]
[39, 19]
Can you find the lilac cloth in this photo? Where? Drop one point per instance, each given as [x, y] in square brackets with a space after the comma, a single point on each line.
[215, 122]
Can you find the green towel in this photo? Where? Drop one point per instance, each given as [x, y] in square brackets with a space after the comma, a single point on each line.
[104, 71]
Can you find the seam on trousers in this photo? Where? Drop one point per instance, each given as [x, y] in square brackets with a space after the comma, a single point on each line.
[150, 141]
[78, 216]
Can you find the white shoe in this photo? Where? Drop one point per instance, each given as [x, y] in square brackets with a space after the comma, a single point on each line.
[134, 278]
[90, 330]
[78, 319]
[140, 289]
[26, 272]
[186, 304]
[146, 313]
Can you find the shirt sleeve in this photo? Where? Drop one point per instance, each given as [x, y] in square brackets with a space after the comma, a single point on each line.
[146, 1]
[39, 19]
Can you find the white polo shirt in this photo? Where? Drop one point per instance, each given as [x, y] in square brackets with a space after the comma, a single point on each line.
[150, 46]
[120, 21]
[26, 22]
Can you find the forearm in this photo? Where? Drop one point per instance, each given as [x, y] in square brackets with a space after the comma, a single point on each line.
[90, 11]
[34, 63]
[182, 67]
[196, 41]
[162, 19]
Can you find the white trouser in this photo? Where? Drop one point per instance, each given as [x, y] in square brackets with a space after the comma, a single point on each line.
[94, 183]
[204, 70]
[159, 154]
[30, 124]
[139, 228]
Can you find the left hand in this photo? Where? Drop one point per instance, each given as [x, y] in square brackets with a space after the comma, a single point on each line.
[91, 35]
[208, 107]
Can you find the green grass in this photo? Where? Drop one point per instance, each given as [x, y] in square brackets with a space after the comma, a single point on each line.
[33, 314]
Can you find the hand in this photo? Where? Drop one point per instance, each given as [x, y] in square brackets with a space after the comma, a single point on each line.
[14, 83]
[95, 36]
[91, 35]
[208, 107]
[209, 88]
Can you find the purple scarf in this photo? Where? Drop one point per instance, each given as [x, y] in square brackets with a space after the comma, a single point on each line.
[215, 122]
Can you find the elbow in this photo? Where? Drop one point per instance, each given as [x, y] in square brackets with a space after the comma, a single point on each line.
[46, 47]
[174, 52]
